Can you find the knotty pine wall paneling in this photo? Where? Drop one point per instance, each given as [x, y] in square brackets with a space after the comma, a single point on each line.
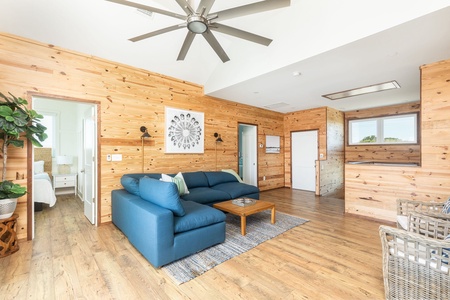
[332, 169]
[371, 191]
[323, 119]
[130, 98]
[383, 153]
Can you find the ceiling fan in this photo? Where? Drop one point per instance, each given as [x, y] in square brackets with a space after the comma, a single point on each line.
[201, 21]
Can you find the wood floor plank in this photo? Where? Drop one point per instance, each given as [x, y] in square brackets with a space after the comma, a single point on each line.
[333, 256]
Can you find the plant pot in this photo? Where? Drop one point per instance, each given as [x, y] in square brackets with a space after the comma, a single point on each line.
[7, 207]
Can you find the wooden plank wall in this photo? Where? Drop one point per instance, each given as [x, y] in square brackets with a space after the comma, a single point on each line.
[332, 169]
[371, 191]
[130, 98]
[384, 153]
[330, 124]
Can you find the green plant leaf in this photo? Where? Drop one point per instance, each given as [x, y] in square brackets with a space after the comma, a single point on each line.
[8, 189]
[5, 111]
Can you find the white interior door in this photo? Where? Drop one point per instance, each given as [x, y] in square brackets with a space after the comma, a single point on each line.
[89, 150]
[304, 147]
[249, 154]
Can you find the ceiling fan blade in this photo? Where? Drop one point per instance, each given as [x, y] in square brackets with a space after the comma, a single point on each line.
[241, 34]
[210, 38]
[149, 8]
[249, 9]
[205, 6]
[186, 45]
[185, 6]
[157, 32]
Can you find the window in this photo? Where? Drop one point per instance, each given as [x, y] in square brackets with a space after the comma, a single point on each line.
[399, 129]
[49, 121]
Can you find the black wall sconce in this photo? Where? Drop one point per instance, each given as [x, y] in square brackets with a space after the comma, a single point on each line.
[145, 132]
[218, 138]
[145, 135]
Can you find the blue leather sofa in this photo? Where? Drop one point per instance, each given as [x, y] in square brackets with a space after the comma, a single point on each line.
[165, 226]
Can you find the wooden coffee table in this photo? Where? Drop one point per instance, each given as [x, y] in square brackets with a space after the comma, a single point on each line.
[244, 211]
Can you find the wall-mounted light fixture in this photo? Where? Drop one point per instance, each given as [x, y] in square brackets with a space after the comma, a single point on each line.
[218, 138]
[364, 90]
[145, 135]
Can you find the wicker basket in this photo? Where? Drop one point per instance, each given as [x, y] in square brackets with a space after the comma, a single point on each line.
[7, 207]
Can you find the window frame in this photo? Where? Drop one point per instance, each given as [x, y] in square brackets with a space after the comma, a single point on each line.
[380, 129]
[55, 126]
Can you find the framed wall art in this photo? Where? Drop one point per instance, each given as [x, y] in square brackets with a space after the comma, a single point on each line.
[272, 144]
[184, 131]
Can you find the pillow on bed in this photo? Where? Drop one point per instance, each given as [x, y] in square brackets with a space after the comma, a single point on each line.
[38, 167]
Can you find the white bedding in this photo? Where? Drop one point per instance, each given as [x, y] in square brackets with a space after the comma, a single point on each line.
[42, 189]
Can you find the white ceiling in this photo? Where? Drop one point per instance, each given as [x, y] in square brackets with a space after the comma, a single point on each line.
[335, 45]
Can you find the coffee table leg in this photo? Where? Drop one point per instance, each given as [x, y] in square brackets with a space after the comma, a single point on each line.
[272, 220]
[243, 224]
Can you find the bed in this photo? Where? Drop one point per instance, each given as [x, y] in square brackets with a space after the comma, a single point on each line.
[42, 178]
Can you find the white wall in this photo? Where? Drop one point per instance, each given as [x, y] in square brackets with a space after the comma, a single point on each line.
[69, 116]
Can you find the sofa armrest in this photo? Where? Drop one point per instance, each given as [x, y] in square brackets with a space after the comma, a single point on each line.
[414, 265]
[150, 228]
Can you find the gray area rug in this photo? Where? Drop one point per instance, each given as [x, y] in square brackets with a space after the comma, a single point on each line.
[259, 229]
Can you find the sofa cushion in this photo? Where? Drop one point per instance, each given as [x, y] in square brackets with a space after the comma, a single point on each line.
[215, 178]
[131, 184]
[232, 172]
[206, 195]
[446, 207]
[236, 189]
[195, 179]
[164, 194]
[178, 180]
[140, 175]
[197, 215]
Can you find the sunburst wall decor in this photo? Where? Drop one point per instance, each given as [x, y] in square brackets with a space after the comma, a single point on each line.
[184, 131]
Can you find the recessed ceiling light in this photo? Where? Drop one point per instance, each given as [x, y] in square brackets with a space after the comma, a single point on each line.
[364, 90]
[296, 73]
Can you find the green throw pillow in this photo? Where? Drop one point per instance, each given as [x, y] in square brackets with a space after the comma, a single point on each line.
[179, 182]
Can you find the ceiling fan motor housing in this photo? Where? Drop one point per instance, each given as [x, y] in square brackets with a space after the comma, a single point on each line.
[197, 24]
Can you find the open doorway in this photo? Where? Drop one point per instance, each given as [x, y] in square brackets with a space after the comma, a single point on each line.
[248, 153]
[69, 136]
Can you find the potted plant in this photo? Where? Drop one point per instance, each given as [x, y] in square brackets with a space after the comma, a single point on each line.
[17, 123]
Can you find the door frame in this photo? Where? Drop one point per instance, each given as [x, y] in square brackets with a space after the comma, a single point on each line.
[317, 176]
[256, 147]
[30, 212]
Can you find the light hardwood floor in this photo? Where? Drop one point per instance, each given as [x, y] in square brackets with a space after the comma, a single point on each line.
[331, 257]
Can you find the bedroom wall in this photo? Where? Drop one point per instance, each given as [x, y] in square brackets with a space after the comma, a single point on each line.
[130, 98]
[67, 129]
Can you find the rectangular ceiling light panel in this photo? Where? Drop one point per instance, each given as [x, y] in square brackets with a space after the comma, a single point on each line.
[364, 90]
